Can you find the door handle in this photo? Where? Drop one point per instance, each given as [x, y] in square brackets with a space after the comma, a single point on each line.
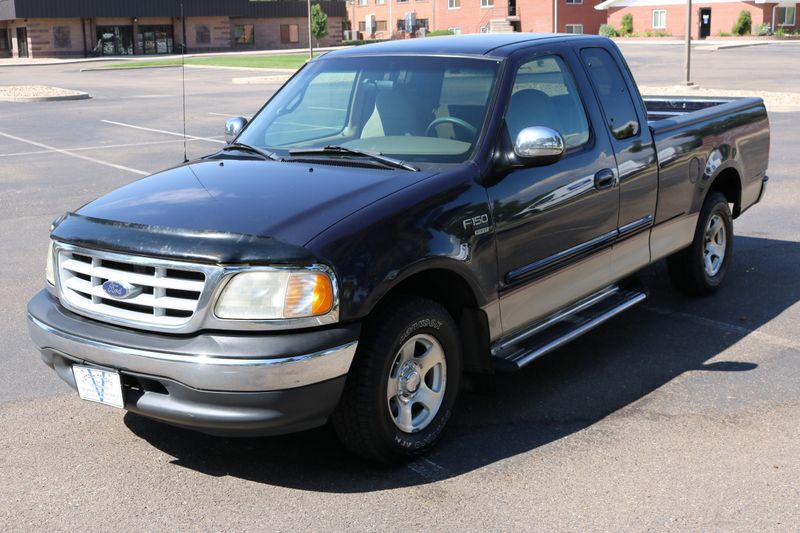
[605, 179]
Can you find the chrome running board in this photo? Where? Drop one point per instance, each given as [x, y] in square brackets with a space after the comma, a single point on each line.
[564, 326]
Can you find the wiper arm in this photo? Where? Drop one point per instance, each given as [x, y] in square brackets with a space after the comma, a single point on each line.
[252, 149]
[341, 150]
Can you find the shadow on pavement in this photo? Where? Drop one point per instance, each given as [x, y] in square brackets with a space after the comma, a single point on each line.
[563, 393]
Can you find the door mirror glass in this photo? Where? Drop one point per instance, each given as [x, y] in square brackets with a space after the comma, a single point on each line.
[539, 145]
[233, 127]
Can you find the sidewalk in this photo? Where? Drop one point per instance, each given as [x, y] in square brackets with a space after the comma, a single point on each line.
[27, 62]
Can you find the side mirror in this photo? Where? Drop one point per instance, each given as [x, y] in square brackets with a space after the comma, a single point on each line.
[234, 126]
[539, 146]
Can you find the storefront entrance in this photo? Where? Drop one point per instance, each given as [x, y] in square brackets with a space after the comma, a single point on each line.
[114, 41]
[155, 40]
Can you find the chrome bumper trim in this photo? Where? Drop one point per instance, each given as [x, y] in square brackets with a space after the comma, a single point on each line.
[203, 372]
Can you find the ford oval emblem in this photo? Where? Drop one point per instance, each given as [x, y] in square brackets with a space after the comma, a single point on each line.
[120, 290]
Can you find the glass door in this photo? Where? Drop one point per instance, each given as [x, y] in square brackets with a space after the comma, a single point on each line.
[156, 39]
[22, 41]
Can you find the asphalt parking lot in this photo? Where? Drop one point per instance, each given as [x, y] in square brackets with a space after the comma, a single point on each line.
[681, 414]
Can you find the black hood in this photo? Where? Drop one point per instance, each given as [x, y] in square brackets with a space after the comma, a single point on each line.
[290, 202]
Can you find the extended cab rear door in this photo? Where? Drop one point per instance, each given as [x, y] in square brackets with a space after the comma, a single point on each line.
[555, 224]
[626, 121]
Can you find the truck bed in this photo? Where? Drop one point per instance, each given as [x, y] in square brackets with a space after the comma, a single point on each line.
[668, 112]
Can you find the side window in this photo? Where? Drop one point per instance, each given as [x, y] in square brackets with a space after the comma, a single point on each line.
[544, 94]
[613, 92]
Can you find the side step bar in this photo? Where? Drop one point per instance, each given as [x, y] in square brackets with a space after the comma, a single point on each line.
[564, 326]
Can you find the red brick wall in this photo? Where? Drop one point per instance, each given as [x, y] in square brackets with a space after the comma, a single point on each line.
[723, 17]
[423, 9]
[470, 16]
[537, 15]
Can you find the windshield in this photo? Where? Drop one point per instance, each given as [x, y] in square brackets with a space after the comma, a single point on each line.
[425, 109]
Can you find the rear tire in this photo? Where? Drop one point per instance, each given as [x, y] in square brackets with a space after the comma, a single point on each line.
[403, 383]
[700, 269]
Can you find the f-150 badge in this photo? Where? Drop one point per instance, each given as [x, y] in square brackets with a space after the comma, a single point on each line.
[478, 223]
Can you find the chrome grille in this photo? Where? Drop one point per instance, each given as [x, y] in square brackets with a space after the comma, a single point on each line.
[167, 294]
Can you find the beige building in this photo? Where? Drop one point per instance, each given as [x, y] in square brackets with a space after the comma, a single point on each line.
[78, 28]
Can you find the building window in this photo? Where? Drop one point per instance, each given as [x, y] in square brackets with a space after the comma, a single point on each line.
[453, 4]
[487, 3]
[362, 26]
[62, 37]
[380, 2]
[785, 16]
[456, 30]
[402, 1]
[4, 40]
[573, 2]
[244, 34]
[381, 25]
[202, 34]
[290, 33]
[363, 2]
[574, 28]
[421, 23]
[659, 19]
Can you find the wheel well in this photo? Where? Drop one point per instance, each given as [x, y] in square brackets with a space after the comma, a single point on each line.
[454, 294]
[729, 184]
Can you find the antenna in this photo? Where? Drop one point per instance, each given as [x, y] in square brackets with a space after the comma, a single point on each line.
[183, 79]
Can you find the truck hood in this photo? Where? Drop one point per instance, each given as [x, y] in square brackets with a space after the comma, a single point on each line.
[290, 202]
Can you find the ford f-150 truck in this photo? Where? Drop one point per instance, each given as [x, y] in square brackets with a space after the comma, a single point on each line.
[398, 222]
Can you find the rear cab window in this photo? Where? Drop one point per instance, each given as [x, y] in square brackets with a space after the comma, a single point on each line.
[615, 98]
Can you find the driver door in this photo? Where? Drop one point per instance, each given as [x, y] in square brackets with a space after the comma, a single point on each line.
[555, 224]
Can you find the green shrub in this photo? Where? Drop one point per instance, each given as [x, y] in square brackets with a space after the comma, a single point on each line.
[437, 33]
[781, 32]
[744, 24]
[627, 25]
[363, 41]
[607, 30]
[763, 29]
[724, 34]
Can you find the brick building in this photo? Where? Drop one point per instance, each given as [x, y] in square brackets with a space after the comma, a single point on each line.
[709, 17]
[61, 28]
[384, 19]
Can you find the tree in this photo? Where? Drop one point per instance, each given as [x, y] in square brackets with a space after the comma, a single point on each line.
[744, 24]
[627, 24]
[319, 23]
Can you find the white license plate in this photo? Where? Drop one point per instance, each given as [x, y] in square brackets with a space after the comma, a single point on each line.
[98, 385]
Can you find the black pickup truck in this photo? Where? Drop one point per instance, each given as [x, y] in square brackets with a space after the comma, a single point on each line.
[399, 221]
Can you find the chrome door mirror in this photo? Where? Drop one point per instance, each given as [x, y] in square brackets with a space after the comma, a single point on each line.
[539, 145]
[234, 126]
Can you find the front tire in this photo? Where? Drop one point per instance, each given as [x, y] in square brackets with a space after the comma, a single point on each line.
[700, 269]
[403, 382]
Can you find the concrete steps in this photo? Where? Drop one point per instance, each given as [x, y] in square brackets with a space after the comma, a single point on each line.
[500, 26]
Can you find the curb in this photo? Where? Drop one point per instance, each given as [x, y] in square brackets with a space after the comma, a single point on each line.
[78, 96]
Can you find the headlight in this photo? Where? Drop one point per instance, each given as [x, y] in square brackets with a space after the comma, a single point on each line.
[276, 294]
[49, 269]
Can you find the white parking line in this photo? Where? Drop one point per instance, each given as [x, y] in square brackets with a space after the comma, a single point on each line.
[228, 115]
[98, 147]
[78, 156]
[175, 133]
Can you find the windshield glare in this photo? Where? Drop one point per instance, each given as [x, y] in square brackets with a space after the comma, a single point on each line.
[425, 109]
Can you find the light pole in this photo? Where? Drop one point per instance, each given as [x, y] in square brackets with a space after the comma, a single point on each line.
[687, 58]
[311, 46]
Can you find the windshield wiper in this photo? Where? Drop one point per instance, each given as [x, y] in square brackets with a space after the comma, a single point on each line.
[341, 150]
[253, 150]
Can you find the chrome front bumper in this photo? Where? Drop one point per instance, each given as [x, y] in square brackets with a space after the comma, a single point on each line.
[229, 384]
[241, 363]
